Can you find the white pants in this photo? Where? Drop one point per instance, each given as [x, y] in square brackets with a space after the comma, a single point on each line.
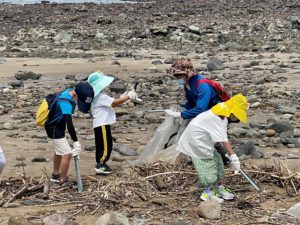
[2, 160]
[61, 146]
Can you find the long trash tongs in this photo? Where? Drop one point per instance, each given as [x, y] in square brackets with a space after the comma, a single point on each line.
[249, 179]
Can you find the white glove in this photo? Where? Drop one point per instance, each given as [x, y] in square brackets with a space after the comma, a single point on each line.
[132, 95]
[235, 162]
[76, 148]
[172, 113]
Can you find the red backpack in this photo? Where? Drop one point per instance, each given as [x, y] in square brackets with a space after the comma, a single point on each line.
[223, 95]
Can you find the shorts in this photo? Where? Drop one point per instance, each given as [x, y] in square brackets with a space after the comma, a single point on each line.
[209, 171]
[61, 146]
[2, 160]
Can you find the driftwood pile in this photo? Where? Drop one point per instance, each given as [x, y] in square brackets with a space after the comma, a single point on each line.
[156, 192]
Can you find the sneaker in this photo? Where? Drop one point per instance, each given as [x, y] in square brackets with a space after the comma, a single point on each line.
[211, 195]
[215, 195]
[204, 196]
[55, 178]
[226, 193]
[103, 169]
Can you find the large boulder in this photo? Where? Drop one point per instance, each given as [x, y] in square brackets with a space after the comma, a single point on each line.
[112, 218]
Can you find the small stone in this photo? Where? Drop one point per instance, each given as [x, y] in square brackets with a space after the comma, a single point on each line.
[215, 64]
[58, 219]
[281, 126]
[296, 133]
[17, 220]
[287, 116]
[292, 156]
[8, 126]
[17, 83]
[249, 148]
[291, 145]
[255, 104]
[124, 150]
[275, 154]
[194, 29]
[154, 70]
[278, 69]
[210, 209]
[118, 87]
[117, 63]
[112, 218]
[39, 159]
[157, 62]
[27, 75]
[81, 77]
[270, 133]
[237, 131]
[178, 223]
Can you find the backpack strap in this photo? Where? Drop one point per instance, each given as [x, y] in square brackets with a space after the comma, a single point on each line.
[53, 104]
[205, 80]
[223, 95]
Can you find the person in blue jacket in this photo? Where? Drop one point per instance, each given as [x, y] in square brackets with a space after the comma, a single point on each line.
[200, 97]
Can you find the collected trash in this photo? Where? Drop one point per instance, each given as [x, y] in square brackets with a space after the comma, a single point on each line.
[162, 146]
[294, 211]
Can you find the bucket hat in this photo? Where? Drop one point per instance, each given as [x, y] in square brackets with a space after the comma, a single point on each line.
[99, 81]
[237, 105]
[85, 94]
[180, 66]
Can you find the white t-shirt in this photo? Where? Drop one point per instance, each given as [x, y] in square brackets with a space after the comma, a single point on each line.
[200, 135]
[102, 112]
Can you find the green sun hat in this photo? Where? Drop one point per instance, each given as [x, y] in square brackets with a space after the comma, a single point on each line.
[99, 81]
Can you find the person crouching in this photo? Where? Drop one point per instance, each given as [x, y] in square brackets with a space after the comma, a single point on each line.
[198, 140]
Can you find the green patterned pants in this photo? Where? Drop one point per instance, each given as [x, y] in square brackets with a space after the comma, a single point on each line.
[209, 170]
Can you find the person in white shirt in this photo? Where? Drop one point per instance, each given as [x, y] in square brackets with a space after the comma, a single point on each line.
[198, 139]
[103, 116]
[2, 160]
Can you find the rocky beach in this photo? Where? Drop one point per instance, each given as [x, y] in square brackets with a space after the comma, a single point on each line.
[250, 47]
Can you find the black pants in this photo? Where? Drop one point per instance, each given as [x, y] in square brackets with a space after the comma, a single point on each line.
[103, 142]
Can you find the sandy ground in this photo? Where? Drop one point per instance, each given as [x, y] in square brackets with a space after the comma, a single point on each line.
[53, 69]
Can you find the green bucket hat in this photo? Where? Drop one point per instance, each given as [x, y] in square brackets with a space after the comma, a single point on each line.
[99, 81]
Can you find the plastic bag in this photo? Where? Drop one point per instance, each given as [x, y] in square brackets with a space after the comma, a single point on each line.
[162, 146]
[294, 211]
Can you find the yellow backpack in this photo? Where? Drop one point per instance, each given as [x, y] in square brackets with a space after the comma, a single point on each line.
[42, 113]
[45, 113]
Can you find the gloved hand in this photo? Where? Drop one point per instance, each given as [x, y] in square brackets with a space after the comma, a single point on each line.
[132, 95]
[235, 162]
[76, 148]
[172, 113]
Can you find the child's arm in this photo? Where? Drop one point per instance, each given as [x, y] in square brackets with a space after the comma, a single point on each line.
[119, 101]
[228, 147]
[130, 96]
[233, 157]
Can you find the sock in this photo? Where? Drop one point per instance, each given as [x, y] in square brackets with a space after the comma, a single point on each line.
[217, 186]
[207, 189]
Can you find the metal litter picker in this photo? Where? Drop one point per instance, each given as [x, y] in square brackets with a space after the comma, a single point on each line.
[248, 178]
[78, 176]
